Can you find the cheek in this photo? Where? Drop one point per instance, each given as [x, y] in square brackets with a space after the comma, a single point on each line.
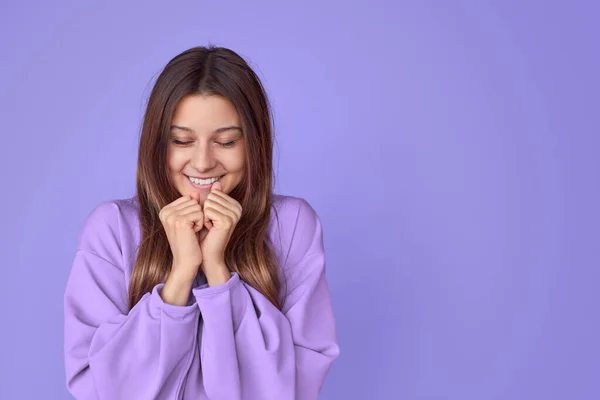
[237, 161]
[175, 160]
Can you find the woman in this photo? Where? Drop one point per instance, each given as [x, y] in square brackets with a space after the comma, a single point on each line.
[205, 284]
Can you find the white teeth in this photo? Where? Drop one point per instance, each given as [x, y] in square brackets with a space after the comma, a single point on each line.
[203, 181]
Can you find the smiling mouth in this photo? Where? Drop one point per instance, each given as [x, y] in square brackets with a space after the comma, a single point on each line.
[203, 183]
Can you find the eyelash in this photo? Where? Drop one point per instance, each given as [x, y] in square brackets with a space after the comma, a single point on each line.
[224, 145]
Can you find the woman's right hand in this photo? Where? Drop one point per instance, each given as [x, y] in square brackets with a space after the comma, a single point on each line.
[182, 219]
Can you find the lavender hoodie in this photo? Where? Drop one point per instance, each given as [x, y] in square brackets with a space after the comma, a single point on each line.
[228, 343]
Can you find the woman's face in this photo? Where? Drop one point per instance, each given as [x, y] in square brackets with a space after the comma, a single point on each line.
[206, 141]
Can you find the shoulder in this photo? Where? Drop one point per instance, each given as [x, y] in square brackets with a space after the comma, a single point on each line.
[109, 229]
[298, 228]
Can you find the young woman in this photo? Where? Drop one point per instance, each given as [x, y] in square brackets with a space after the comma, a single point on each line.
[205, 284]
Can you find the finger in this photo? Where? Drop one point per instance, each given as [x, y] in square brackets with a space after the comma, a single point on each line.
[206, 220]
[192, 218]
[166, 209]
[195, 195]
[180, 200]
[227, 199]
[217, 185]
[234, 208]
[180, 203]
[217, 216]
[184, 204]
[197, 215]
[216, 197]
[189, 208]
[171, 212]
[221, 208]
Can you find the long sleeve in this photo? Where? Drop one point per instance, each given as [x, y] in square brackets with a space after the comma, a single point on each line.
[252, 350]
[112, 352]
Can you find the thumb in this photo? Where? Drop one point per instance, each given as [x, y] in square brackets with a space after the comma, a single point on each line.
[195, 196]
[217, 185]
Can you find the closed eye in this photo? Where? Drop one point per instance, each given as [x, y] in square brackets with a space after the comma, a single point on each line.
[179, 142]
[228, 144]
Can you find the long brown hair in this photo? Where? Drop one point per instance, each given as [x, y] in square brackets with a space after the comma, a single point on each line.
[219, 71]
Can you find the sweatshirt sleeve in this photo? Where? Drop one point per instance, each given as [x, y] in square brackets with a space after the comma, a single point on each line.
[112, 352]
[250, 349]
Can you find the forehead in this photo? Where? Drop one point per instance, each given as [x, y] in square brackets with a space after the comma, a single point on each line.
[205, 112]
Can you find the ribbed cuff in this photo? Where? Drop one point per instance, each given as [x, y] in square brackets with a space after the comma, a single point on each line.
[205, 290]
[172, 309]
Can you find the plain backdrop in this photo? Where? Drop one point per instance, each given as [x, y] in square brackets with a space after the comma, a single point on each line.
[449, 147]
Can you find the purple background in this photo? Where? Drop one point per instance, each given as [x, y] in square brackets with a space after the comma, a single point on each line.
[450, 148]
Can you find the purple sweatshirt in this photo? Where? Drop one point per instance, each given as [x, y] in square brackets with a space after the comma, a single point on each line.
[228, 343]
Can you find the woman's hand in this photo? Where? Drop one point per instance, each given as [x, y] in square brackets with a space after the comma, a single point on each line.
[182, 219]
[221, 215]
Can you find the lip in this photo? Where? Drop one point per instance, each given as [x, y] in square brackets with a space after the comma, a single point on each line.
[202, 186]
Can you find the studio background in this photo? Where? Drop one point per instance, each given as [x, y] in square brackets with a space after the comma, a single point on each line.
[449, 147]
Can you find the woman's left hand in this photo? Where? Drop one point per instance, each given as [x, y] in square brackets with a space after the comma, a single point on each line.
[221, 215]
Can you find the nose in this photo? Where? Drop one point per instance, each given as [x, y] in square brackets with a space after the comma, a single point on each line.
[203, 159]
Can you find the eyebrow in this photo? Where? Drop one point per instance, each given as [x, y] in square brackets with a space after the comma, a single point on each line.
[220, 130]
